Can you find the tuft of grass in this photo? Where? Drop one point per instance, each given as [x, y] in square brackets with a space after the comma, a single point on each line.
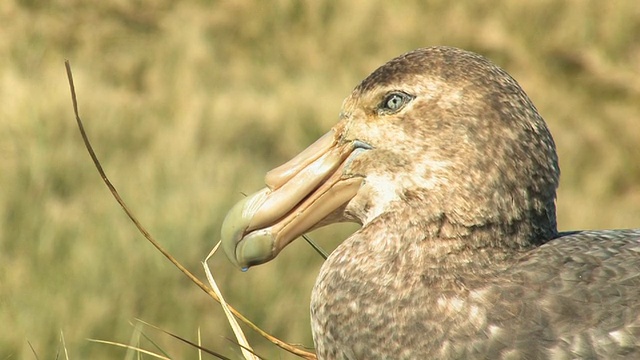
[191, 102]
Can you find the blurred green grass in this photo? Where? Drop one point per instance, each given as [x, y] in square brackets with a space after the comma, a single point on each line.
[189, 103]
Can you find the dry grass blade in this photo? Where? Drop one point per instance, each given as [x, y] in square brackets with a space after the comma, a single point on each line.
[135, 339]
[138, 331]
[35, 354]
[210, 352]
[247, 350]
[139, 350]
[199, 344]
[284, 345]
[64, 345]
[316, 247]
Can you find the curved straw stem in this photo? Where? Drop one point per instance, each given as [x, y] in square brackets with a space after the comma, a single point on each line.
[284, 345]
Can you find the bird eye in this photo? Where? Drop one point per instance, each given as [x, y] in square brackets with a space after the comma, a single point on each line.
[393, 102]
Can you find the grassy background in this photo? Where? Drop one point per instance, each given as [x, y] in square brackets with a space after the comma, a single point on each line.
[189, 103]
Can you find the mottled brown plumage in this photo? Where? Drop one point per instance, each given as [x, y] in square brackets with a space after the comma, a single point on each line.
[458, 256]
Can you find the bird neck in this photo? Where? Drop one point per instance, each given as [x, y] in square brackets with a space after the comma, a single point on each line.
[440, 251]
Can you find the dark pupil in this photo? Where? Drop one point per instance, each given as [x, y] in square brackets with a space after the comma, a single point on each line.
[394, 102]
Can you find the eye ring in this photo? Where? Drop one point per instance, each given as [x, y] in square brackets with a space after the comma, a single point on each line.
[394, 102]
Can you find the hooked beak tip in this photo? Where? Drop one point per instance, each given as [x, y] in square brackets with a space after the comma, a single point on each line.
[245, 250]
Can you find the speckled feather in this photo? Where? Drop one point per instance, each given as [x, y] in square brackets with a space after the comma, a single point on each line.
[576, 297]
[459, 256]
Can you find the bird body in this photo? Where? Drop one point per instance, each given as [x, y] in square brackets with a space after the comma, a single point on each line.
[575, 297]
[452, 173]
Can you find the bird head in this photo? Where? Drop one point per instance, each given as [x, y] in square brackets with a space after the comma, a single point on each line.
[438, 134]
